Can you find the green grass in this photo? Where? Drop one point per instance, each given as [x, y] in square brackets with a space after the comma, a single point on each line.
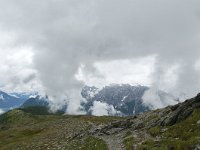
[15, 117]
[92, 143]
[28, 130]
[128, 140]
[23, 128]
[155, 131]
[98, 120]
[183, 135]
[40, 110]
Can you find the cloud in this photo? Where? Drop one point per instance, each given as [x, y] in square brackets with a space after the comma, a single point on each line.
[16, 71]
[102, 109]
[65, 34]
[154, 98]
[29, 78]
[1, 111]
[131, 71]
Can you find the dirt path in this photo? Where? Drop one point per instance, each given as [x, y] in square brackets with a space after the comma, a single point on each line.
[114, 142]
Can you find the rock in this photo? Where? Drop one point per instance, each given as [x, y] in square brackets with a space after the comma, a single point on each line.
[164, 130]
[185, 113]
[197, 147]
[170, 147]
[134, 147]
[113, 131]
[171, 119]
[156, 145]
[116, 124]
[178, 115]
[138, 125]
[173, 108]
[198, 96]
[191, 130]
[196, 105]
[198, 122]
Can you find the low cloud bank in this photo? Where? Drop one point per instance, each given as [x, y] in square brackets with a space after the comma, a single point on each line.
[154, 98]
[1, 111]
[103, 109]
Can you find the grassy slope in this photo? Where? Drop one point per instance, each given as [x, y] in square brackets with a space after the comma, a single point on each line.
[181, 136]
[24, 129]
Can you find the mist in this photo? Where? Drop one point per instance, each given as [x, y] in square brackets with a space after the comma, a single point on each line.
[64, 35]
[103, 109]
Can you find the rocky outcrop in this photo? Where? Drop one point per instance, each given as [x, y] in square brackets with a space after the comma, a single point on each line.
[181, 111]
[162, 117]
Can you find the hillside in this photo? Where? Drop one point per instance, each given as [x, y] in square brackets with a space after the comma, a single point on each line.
[174, 127]
[13, 100]
[8, 101]
[35, 101]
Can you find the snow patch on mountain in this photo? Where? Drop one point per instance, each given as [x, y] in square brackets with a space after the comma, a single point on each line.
[2, 98]
[13, 95]
[124, 98]
[33, 96]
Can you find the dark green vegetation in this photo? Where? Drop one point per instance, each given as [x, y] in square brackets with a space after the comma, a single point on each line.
[128, 140]
[174, 127]
[38, 129]
[183, 135]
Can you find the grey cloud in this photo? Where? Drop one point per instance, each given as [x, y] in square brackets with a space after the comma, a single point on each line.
[68, 33]
[29, 78]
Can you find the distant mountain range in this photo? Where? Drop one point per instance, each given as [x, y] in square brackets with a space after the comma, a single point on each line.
[35, 101]
[125, 98]
[13, 100]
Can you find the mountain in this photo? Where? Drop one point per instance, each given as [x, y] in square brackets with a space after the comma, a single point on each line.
[41, 104]
[24, 95]
[174, 127]
[124, 98]
[12, 100]
[8, 101]
[36, 101]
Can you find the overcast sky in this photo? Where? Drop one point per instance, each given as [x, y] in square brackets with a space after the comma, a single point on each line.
[57, 46]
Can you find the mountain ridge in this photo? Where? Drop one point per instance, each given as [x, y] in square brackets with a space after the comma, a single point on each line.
[172, 127]
[115, 99]
[125, 98]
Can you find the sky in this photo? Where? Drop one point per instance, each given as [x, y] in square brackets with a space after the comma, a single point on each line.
[58, 46]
